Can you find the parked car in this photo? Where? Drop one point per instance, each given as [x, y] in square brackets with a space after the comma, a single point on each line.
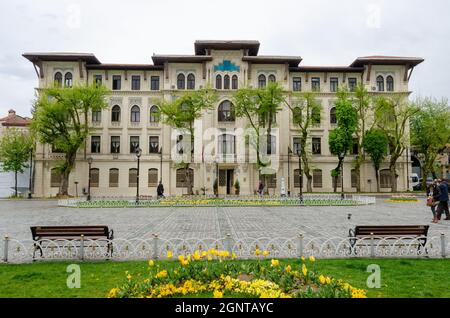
[419, 185]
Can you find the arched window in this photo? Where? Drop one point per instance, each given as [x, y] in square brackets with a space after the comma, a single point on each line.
[191, 81]
[380, 83]
[58, 79]
[132, 178]
[55, 178]
[152, 177]
[115, 113]
[390, 83]
[113, 178]
[296, 115]
[317, 178]
[234, 82]
[333, 119]
[135, 114]
[181, 181]
[272, 78]
[226, 144]
[68, 79]
[154, 114]
[261, 81]
[315, 116]
[385, 178]
[180, 81]
[219, 82]
[226, 82]
[226, 111]
[95, 175]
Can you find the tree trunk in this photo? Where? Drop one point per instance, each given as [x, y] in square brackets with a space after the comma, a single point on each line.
[68, 166]
[393, 173]
[424, 179]
[358, 173]
[377, 178]
[15, 183]
[64, 188]
[188, 180]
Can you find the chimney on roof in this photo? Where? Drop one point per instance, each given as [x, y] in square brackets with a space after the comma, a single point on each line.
[11, 112]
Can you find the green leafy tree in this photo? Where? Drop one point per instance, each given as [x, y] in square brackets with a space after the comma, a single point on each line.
[375, 145]
[430, 132]
[362, 102]
[59, 119]
[259, 106]
[392, 115]
[181, 113]
[15, 150]
[340, 139]
[306, 112]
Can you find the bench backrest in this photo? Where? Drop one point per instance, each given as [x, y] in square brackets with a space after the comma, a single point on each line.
[391, 230]
[69, 231]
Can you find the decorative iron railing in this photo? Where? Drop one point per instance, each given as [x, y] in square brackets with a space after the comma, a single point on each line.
[16, 251]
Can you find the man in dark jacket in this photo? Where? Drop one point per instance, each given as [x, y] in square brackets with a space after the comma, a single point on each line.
[160, 190]
[443, 200]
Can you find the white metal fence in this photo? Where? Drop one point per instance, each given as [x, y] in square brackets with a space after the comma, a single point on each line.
[16, 251]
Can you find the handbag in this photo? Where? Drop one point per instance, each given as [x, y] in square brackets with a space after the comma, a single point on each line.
[430, 201]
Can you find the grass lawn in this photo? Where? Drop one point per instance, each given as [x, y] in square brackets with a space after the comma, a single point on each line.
[399, 277]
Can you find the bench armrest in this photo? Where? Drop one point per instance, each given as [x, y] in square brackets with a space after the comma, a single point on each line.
[351, 233]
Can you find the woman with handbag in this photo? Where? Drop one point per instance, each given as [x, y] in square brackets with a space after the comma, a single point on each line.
[433, 199]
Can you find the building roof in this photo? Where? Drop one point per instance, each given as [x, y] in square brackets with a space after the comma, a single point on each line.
[143, 67]
[345, 69]
[387, 60]
[161, 59]
[14, 120]
[61, 56]
[201, 46]
[293, 61]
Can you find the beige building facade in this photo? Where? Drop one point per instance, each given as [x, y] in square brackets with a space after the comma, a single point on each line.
[220, 150]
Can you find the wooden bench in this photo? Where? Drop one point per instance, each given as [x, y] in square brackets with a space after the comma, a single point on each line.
[71, 233]
[390, 232]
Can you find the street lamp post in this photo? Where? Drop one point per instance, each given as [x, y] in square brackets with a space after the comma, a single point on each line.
[289, 171]
[217, 178]
[160, 164]
[341, 159]
[31, 173]
[138, 156]
[89, 160]
[76, 189]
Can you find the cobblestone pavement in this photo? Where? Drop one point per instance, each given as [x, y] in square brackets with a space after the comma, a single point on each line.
[16, 217]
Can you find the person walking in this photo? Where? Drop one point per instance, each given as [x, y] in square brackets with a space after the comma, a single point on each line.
[432, 199]
[160, 190]
[443, 200]
[261, 188]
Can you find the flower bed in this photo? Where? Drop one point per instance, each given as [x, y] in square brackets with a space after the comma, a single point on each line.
[402, 198]
[216, 274]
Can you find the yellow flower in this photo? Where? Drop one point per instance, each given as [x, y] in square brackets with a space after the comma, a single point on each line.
[161, 274]
[233, 256]
[169, 254]
[328, 279]
[302, 258]
[185, 262]
[204, 254]
[275, 263]
[217, 294]
[304, 269]
[288, 269]
[257, 252]
[146, 281]
[181, 258]
[312, 259]
[151, 263]
[209, 258]
[129, 277]
[322, 279]
[265, 253]
[113, 292]
[196, 255]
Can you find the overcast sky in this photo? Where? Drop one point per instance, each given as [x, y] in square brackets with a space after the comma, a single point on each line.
[322, 32]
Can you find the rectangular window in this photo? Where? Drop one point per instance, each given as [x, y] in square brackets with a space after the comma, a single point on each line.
[154, 83]
[134, 144]
[95, 177]
[355, 147]
[272, 145]
[117, 82]
[334, 83]
[95, 144]
[353, 178]
[316, 146]
[315, 84]
[55, 178]
[317, 178]
[296, 146]
[113, 178]
[98, 80]
[352, 84]
[96, 116]
[115, 144]
[297, 84]
[135, 82]
[153, 144]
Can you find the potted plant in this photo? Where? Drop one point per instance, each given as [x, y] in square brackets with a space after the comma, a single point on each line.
[237, 187]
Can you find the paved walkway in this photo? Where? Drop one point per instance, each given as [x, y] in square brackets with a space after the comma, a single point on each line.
[16, 217]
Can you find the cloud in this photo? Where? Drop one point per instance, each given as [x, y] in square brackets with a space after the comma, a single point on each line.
[322, 32]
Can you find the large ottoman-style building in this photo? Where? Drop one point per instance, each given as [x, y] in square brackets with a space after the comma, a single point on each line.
[130, 121]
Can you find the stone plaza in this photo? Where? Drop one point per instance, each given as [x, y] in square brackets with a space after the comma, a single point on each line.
[216, 222]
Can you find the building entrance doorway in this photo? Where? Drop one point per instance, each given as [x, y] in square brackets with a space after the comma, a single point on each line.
[226, 181]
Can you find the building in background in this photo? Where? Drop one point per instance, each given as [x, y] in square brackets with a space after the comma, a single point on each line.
[13, 121]
[130, 121]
